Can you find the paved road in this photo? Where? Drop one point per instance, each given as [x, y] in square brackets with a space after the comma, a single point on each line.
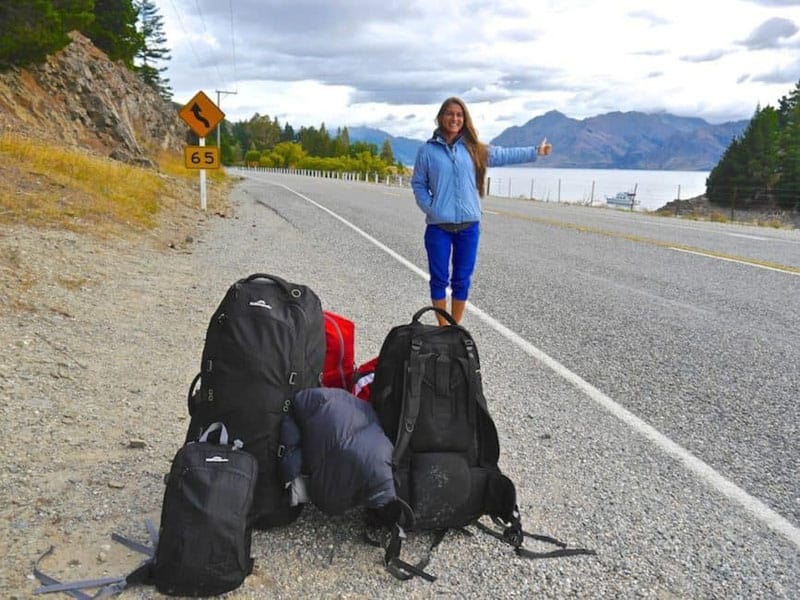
[642, 371]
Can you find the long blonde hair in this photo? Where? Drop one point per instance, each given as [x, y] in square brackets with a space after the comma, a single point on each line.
[477, 151]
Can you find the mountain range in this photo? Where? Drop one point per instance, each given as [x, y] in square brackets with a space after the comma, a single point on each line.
[615, 140]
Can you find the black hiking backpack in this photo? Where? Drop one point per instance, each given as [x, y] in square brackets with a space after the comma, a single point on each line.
[428, 395]
[264, 343]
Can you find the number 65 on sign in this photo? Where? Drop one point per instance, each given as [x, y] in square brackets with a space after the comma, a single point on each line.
[201, 157]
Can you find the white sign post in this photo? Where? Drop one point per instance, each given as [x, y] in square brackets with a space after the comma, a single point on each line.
[201, 115]
[203, 196]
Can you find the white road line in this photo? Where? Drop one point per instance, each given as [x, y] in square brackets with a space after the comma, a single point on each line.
[749, 237]
[705, 472]
[733, 260]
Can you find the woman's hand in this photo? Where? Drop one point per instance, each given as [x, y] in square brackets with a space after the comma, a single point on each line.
[544, 148]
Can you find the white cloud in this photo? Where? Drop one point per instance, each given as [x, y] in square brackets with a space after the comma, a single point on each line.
[770, 34]
[388, 64]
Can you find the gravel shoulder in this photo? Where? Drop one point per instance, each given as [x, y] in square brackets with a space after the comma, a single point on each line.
[98, 344]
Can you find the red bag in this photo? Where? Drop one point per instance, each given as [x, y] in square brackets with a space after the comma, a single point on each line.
[340, 362]
[362, 380]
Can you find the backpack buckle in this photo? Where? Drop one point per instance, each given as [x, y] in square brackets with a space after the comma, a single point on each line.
[514, 536]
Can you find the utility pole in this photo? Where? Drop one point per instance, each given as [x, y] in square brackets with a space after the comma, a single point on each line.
[219, 125]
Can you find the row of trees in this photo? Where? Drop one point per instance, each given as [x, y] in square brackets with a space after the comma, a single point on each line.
[762, 167]
[264, 141]
[131, 31]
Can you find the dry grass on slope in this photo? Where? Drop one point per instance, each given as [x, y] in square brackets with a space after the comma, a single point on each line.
[51, 195]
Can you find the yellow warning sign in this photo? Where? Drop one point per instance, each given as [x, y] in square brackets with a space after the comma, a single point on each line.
[201, 114]
[201, 157]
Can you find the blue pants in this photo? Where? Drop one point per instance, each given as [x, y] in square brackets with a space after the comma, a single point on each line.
[463, 247]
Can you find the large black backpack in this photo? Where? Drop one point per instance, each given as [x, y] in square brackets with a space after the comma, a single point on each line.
[265, 342]
[428, 395]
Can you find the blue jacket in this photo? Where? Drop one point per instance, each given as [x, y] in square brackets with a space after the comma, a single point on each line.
[444, 178]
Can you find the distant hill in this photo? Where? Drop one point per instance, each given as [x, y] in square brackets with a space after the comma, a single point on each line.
[626, 140]
[616, 140]
[404, 149]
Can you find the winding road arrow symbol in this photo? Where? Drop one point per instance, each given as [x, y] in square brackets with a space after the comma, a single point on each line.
[196, 110]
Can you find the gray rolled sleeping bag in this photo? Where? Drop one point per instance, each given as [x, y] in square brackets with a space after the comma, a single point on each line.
[335, 452]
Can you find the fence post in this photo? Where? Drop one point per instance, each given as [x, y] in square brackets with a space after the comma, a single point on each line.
[559, 189]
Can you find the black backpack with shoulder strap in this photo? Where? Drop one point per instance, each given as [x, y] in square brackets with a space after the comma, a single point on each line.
[264, 343]
[428, 395]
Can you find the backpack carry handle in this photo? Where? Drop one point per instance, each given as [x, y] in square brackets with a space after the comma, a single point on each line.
[223, 433]
[282, 283]
[438, 310]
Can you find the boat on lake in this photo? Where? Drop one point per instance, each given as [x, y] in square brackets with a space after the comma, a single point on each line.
[627, 199]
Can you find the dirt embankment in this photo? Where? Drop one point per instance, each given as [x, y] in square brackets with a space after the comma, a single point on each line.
[701, 209]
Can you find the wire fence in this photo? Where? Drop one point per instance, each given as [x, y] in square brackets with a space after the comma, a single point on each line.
[651, 194]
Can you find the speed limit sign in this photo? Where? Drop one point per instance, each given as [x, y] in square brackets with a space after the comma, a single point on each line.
[201, 157]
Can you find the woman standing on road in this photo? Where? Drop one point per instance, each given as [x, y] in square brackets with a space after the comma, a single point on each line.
[448, 183]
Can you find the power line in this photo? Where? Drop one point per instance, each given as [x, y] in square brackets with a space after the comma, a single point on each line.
[185, 33]
[233, 46]
[220, 78]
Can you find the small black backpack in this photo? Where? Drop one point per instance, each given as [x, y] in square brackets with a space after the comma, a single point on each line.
[428, 395]
[203, 546]
[264, 343]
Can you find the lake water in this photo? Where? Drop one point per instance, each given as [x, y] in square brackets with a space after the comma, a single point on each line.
[653, 188]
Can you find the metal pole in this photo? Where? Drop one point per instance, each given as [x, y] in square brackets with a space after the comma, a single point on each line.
[219, 125]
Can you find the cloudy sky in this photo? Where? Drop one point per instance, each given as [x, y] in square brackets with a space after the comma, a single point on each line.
[389, 64]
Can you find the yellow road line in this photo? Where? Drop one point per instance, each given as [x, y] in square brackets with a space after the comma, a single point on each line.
[653, 242]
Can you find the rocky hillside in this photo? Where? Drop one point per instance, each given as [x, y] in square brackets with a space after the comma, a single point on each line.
[81, 98]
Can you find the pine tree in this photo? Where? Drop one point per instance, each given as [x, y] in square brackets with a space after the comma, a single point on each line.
[288, 135]
[341, 144]
[788, 187]
[762, 168]
[32, 29]
[153, 48]
[722, 185]
[114, 30]
[387, 154]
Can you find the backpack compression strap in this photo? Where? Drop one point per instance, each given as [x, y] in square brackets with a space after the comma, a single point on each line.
[391, 515]
[110, 586]
[514, 535]
[410, 408]
[398, 567]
